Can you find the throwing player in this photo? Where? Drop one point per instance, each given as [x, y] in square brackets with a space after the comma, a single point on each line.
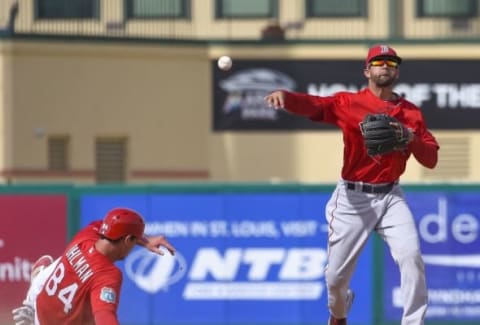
[368, 197]
[83, 285]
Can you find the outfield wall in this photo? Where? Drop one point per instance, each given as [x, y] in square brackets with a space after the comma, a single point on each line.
[248, 254]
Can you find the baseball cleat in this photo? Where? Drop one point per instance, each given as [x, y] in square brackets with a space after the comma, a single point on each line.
[334, 321]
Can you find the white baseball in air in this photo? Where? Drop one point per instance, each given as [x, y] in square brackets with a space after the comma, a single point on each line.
[224, 62]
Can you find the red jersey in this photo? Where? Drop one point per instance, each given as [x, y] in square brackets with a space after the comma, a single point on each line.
[346, 110]
[83, 283]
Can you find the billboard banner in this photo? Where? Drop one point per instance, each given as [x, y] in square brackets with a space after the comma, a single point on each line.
[264, 253]
[449, 230]
[448, 101]
[31, 226]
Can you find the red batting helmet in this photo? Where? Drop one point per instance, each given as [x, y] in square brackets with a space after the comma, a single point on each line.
[120, 222]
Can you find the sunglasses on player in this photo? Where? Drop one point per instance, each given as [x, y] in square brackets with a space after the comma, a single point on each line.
[380, 62]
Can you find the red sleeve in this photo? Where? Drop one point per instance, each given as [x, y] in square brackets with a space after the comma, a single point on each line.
[424, 148]
[321, 109]
[105, 293]
[105, 317]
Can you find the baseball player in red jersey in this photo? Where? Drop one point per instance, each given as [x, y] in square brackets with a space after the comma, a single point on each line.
[368, 197]
[84, 285]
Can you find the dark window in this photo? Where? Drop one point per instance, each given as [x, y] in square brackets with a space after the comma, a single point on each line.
[246, 8]
[71, 9]
[447, 8]
[336, 8]
[111, 155]
[58, 153]
[158, 8]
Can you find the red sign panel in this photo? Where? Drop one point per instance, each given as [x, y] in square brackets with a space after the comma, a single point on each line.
[30, 226]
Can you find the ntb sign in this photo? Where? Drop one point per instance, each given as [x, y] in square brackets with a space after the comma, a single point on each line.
[271, 273]
[243, 258]
[449, 230]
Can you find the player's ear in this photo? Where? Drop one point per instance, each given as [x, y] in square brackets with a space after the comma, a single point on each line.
[366, 73]
[128, 239]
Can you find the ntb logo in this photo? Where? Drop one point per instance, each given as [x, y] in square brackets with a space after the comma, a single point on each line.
[256, 274]
[152, 272]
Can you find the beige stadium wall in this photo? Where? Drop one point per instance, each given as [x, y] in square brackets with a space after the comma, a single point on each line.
[160, 97]
[157, 96]
[204, 24]
[383, 15]
[3, 112]
[4, 10]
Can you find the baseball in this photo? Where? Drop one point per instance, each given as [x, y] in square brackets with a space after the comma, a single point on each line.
[224, 63]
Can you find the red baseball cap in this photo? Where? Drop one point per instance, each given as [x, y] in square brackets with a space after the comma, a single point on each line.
[382, 51]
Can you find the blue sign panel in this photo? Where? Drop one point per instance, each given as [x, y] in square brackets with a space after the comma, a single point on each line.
[243, 258]
[449, 229]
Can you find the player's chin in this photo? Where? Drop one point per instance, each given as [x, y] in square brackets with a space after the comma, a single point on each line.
[384, 81]
[121, 256]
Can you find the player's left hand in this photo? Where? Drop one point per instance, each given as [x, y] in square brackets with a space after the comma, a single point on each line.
[383, 134]
[155, 243]
[24, 315]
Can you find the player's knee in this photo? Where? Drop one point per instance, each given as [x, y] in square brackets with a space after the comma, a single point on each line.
[336, 282]
[411, 260]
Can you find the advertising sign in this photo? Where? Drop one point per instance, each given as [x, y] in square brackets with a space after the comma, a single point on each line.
[264, 253]
[449, 230]
[31, 226]
[448, 101]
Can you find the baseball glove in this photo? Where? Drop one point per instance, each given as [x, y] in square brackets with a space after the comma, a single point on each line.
[383, 134]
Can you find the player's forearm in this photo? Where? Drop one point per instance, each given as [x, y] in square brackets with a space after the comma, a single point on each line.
[302, 104]
[425, 152]
[143, 241]
[155, 243]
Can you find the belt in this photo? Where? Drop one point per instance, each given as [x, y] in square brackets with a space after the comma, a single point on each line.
[370, 188]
